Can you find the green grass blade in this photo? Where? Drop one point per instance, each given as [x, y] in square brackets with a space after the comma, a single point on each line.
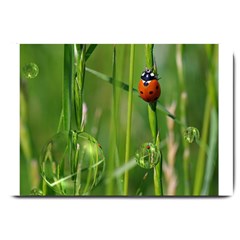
[183, 105]
[122, 169]
[67, 85]
[157, 177]
[200, 167]
[152, 116]
[79, 85]
[116, 116]
[25, 139]
[149, 55]
[60, 122]
[129, 117]
[99, 75]
[211, 158]
[113, 132]
[90, 50]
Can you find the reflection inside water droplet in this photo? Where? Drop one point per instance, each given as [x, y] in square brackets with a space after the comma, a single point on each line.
[72, 163]
[191, 134]
[30, 70]
[148, 155]
[36, 192]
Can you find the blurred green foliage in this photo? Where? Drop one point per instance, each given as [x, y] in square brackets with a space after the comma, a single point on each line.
[44, 103]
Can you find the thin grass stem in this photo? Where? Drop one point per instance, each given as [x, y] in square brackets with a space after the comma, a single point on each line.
[67, 85]
[212, 153]
[79, 84]
[152, 115]
[183, 101]
[113, 132]
[129, 118]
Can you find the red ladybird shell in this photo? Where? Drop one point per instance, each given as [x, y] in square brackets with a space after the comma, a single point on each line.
[149, 91]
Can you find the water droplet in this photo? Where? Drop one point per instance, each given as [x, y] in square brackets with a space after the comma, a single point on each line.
[148, 155]
[36, 192]
[191, 134]
[72, 163]
[30, 70]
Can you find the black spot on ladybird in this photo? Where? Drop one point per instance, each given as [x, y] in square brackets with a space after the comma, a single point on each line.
[141, 92]
[156, 87]
[151, 92]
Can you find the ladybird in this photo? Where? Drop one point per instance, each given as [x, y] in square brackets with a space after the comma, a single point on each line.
[149, 88]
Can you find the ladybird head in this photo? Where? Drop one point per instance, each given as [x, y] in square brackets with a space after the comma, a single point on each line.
[148, 75]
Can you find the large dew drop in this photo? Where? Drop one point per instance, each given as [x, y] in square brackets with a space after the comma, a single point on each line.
[148, 155]
[72, 163]
[30, 70]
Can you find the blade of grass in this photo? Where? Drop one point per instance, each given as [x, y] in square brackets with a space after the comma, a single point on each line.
[25, 141]
[201, 157]
[79, 84]
[67, 85]
[129, 117]
[157, 174]
[149, 55]
[116, 101]
[131, 163]
[157, 177]
[152, 115]
[60, 122]
[183, 99]
[212, 154]
[113, 147]
[89, 51]
[65, 116]
[25, 138]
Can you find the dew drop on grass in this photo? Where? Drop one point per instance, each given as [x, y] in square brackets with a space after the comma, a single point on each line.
[148, 155]
[72, 163]
[191, 134]
[30, 70]
[36, 192]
